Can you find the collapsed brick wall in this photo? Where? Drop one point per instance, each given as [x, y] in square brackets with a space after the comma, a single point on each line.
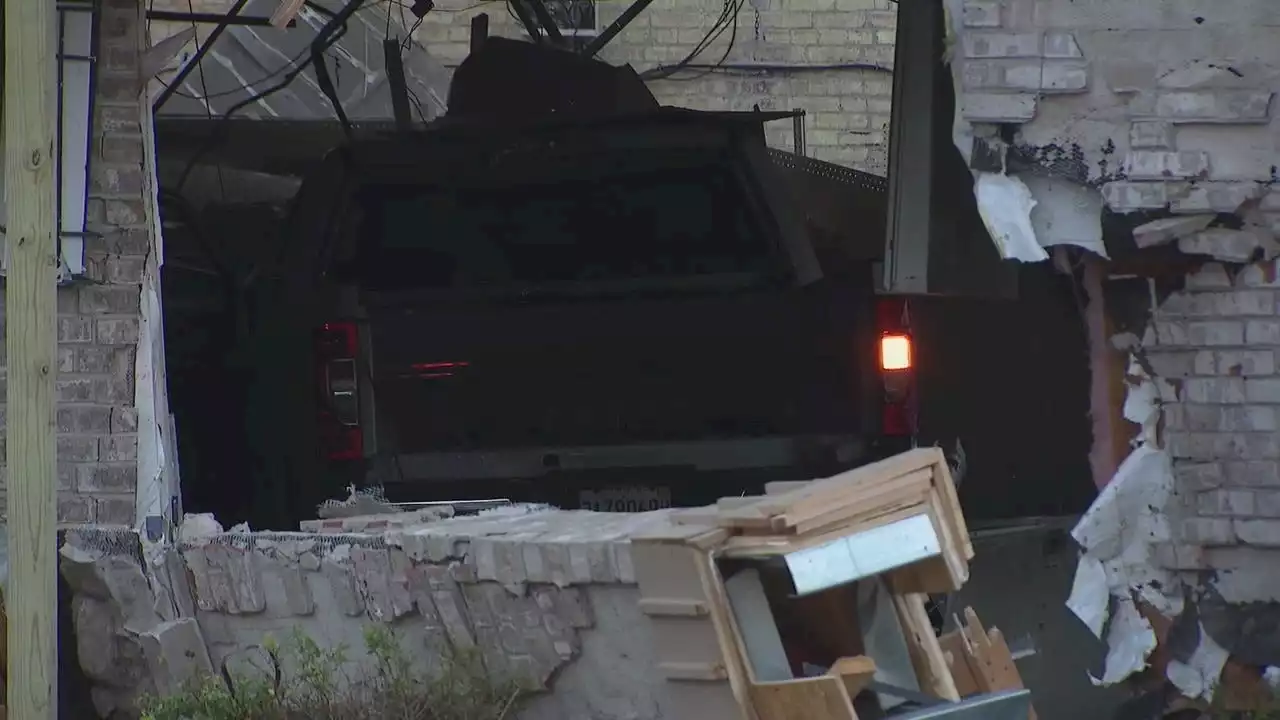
[548, 598]
[1164, 110]
[98, 316]
[830, 58]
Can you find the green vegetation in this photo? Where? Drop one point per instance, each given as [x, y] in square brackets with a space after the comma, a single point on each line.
[460, 688]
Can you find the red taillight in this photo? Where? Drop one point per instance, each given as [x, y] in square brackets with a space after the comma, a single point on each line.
[895, 351]
[337, 373]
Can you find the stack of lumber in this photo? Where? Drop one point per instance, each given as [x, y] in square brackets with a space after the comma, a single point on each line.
[793, 516]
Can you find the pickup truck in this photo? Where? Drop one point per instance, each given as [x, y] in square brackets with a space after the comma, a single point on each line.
[619, 315]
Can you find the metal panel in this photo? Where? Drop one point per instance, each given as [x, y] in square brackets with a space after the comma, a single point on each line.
[911, 146]
[864, 554]
[77, 27]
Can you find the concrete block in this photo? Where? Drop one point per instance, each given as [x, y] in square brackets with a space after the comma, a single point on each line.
[1002, 74]
[1064, 76]
[1214, 106]
[1262, 332]
[1207, 532]
[1177, 364]
[1165, 230]
[981, 14]
[1263, 390]
[1062, 45]
[1245, 363]
[294, 595]
[1252, 474]
[1150, 135]
[227, 578]
[1214, 391]
[1122, 196]
[450, 607]
[992, 107]
[979, 45]
[342, 583]
[1198, 477]
[1127, 76]
[1193, 446]
[1258, 532]
[1238, 246]
[1176, 556]
[1266, 503]
[1210, 275]
[1216, 197]
[96, 645]
[382, 575]
[176, 654]
[1211, 333]
[1160, 165]
[1227, 304]
[245, 581]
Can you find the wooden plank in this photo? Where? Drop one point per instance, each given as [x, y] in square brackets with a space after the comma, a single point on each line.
[855, 672]
[922, 645]
[287, 11]
[672, 607]
[707, 516]
[909, 489]
[947, 488]
[818, 494]
[820, 698]
[931, 575]
[989, 657]
[692, 671]
[955, 650]
[772, 545]
[31, 304]
[675, 534]
[779, 487]
[740, 677]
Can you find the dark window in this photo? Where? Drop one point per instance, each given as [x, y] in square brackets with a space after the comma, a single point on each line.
[641, 226]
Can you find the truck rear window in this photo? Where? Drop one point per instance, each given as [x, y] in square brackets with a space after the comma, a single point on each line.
[674, 223]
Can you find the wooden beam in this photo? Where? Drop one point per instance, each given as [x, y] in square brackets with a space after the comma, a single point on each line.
[30, 307]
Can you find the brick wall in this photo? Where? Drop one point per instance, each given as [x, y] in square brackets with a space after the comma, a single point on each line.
[98, 318]
[1165, 108]
[847, 103]
[1218, 342]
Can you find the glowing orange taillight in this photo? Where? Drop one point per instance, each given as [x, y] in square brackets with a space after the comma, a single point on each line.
[895, 352]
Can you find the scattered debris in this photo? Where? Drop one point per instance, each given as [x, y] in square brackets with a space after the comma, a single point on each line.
[198, 526]
[877, 538]
[364, 501]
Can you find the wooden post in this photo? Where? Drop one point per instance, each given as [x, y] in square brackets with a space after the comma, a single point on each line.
[30, 308]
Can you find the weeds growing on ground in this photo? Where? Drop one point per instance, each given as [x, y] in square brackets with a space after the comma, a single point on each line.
[460, 688]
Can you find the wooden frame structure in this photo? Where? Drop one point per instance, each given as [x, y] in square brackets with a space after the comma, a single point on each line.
[896, 521]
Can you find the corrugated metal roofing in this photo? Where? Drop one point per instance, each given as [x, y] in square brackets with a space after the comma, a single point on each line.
[247, 60]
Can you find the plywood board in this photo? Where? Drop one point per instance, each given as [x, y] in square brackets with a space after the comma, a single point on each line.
[820, 698]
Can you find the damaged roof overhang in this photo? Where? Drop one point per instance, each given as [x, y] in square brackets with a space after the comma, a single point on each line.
[293, 147]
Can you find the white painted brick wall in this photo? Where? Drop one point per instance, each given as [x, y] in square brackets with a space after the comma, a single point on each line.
[1218, 341]
[847, 108]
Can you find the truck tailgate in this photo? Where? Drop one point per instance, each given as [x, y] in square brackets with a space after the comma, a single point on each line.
[462, 378]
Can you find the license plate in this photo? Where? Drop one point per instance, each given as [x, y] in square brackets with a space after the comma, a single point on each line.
[625, 499]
